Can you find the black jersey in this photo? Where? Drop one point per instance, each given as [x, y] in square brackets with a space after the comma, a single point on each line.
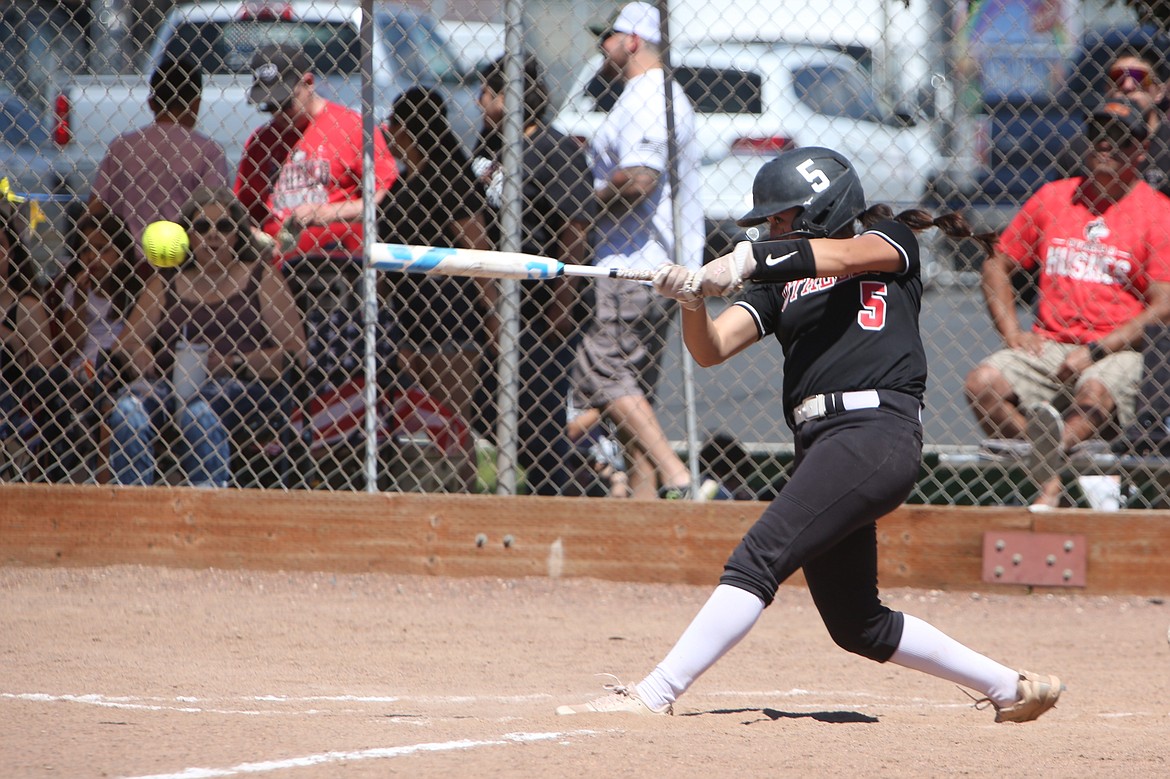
[844, 333]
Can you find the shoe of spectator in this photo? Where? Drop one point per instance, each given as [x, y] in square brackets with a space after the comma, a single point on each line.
[1045, 432]
[608, 462]
[604, 453]
[620, 698]
[1005, 448]
[708, 489]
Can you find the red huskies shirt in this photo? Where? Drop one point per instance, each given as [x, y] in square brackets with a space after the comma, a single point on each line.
[1095, 269]
[280, 171]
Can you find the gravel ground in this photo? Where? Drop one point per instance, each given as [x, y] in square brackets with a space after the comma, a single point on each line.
[133, 671]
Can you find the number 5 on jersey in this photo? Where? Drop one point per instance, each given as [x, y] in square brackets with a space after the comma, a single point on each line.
[872, 315]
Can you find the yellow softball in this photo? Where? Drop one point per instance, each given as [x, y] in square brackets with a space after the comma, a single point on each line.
[165, 244]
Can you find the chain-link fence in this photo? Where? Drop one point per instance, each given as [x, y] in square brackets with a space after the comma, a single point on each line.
[253, 361]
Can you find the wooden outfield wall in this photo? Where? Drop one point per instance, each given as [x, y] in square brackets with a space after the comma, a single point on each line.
[478, 535]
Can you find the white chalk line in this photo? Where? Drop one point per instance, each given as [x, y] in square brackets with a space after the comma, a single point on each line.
[189, 704]
[376, 753]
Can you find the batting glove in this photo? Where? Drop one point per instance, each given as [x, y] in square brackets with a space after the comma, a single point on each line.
[679, 283]
[724, 275]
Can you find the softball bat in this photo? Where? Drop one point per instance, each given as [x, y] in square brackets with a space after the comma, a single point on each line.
[486, 264]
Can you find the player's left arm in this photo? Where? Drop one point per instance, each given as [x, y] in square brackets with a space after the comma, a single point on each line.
[785, 260]
[865, 253]
[714, 341]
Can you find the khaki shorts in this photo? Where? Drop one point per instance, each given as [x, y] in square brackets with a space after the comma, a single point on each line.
[1034, 378]
[620, 354]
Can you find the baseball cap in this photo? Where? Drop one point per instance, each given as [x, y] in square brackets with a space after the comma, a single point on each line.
[1123, 113]
[638, 18]
[276, 69]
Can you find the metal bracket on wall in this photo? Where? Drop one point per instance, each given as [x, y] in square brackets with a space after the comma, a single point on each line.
[1042, 559]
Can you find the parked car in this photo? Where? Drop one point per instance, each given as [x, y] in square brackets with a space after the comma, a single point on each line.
[1024, 137]
[408, 50]
[753, 100]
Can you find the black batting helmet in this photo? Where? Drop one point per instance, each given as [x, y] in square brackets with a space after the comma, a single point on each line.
[820, 181]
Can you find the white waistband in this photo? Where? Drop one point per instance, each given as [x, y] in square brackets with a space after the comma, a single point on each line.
[815, 407]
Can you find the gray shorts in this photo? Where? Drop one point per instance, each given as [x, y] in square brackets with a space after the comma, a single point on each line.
[620, 354]
[1034, 378]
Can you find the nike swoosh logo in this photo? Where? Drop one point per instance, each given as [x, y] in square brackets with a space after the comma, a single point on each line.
[770, 260]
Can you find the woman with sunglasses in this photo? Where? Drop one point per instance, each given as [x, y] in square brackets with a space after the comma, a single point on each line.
[227, 303]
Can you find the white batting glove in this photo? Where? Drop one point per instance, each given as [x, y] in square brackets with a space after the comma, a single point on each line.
[724, 275]
[679, 283]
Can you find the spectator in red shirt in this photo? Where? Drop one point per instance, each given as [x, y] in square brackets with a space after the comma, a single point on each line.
[1101, 247]
[304, 167]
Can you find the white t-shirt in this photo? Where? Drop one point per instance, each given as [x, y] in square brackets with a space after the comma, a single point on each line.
[634, 135]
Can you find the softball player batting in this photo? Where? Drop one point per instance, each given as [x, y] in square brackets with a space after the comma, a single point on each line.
[845, 311]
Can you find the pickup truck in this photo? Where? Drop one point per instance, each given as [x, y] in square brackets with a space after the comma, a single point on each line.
[1025, 139]
[408, 50]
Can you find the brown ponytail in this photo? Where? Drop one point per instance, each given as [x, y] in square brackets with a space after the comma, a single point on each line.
[951, 224]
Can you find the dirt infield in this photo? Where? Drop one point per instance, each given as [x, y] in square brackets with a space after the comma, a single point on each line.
[132, 671]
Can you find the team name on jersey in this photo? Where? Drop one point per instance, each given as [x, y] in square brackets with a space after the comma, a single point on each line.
[1092, 261]
[795, 290]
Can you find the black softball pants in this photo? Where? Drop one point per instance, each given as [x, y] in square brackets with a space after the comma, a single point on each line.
[851, 469]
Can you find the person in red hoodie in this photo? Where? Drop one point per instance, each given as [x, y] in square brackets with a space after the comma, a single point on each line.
[303, 169]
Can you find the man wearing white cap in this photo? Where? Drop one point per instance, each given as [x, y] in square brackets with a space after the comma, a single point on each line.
[618, 362]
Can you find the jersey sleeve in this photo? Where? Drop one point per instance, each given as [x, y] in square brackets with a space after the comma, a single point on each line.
[903, 239]
[763, 302]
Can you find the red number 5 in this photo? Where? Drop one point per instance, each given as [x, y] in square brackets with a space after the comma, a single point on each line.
[872, 315]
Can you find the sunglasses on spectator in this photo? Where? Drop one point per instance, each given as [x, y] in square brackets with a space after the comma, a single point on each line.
[222, 225]
[1120, 73]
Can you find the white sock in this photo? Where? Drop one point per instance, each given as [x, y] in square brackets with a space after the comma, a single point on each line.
[926, 648]
[725, 618]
